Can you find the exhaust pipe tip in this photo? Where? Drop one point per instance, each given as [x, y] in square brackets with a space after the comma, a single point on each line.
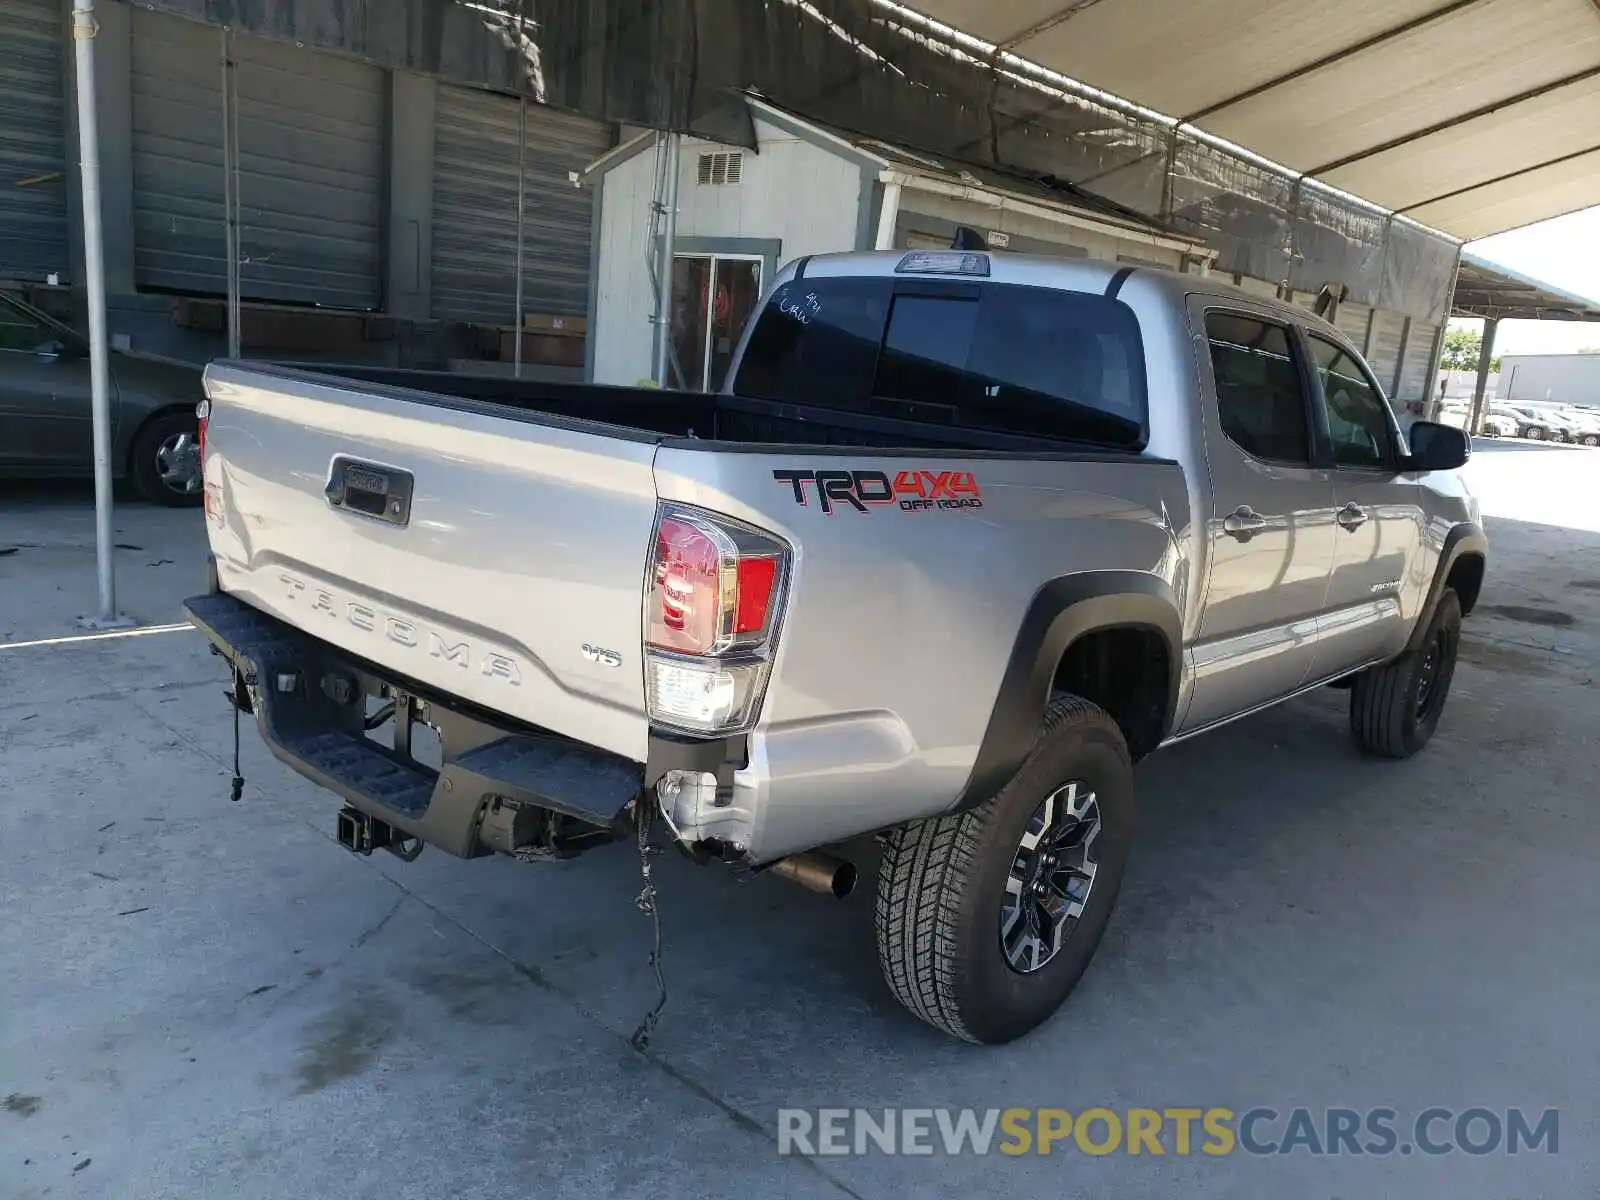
[821, 873]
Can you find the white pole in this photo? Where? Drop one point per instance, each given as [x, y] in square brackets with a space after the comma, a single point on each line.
[652, 255]
[522, 155]
[887, 217]
[230, 193]
[84, 29]
[669, 236]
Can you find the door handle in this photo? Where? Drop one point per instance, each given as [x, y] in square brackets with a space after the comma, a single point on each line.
[1243, 522]
[1352, 516]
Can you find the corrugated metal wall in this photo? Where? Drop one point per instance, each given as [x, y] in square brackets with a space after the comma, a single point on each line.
[310, 167]
[1383, 356]
[1351, 320]
[1419, 360]
[475, 208]
[178, 214]
[33, 170]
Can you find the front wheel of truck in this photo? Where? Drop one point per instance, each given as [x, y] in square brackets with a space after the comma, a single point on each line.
[987, 918]
[1394, 708]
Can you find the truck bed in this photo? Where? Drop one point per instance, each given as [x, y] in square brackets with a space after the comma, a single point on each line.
[668, 416]
[487, 538]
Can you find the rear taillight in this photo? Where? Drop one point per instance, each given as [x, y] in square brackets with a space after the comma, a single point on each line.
[212, 491]
[202, 414]
[713, 596]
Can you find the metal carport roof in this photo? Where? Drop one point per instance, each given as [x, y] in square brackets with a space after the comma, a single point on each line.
[1484, 289]
[1470, 116]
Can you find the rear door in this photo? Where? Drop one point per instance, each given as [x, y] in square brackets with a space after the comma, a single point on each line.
[1269, 534]
[494, 555]
[1377, 514]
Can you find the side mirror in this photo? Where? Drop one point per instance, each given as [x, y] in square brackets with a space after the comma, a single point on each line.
[1436, 447]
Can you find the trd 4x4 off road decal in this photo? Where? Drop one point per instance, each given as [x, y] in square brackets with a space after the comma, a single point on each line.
[911, 491]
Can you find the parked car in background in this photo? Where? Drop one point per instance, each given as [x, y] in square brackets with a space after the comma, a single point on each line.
[1585, 424]
[1540, 425]
[1497, 422]
[46, 426]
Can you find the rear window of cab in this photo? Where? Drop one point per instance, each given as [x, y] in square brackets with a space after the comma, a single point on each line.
[995, 356]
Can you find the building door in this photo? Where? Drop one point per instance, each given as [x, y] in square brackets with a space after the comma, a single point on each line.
[475, 219]
[713, 296]
[307, 142]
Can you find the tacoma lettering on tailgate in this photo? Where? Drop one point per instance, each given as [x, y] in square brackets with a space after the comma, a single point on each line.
[402, 631]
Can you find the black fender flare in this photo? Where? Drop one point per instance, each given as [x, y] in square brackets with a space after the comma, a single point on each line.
[1463, 539]
[1061, 611]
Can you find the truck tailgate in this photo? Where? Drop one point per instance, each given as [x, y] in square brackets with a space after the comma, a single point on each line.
[491, 555]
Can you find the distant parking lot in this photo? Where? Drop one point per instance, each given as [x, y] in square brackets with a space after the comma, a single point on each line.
[200, 999]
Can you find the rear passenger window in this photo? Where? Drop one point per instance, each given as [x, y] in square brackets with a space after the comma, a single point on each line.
[1259, 397]
[1021, 359]
[816, 339]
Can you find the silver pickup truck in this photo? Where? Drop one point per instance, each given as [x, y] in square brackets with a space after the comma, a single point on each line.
[964, 538]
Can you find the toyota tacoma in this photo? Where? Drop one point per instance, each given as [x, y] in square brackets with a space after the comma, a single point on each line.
[963, 537]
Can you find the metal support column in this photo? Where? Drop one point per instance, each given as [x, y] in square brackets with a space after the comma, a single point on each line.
[1491, 326]
[522, 188]
[669, 234]
[888, 217]
[84, 29]
[230, 193]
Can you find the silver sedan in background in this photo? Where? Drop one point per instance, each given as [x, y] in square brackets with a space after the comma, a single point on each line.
[46, 430]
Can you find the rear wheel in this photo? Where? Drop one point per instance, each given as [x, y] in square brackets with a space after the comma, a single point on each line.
[1534, 433]
[1590, 439]
[1394, 708]
[165, 460]
[986, 919]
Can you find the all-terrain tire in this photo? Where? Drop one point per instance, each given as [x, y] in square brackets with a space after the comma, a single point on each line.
[1395, 707]
[942, 883]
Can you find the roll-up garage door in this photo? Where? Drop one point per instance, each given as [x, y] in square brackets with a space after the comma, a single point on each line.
[310, 167]
[1383, 355]
[33, 170]
[475, 208]
[1419, 361]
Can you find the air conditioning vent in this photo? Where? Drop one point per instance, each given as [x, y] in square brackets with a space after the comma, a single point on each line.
[722, 167]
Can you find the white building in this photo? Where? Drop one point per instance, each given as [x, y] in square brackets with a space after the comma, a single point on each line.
[807, 190]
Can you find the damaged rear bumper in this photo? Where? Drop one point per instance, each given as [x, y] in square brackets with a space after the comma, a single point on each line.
[497, 787]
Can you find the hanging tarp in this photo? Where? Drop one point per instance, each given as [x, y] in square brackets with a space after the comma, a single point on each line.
[617, 60]
[866, 69]
[1240, 208]
[1337, 239]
